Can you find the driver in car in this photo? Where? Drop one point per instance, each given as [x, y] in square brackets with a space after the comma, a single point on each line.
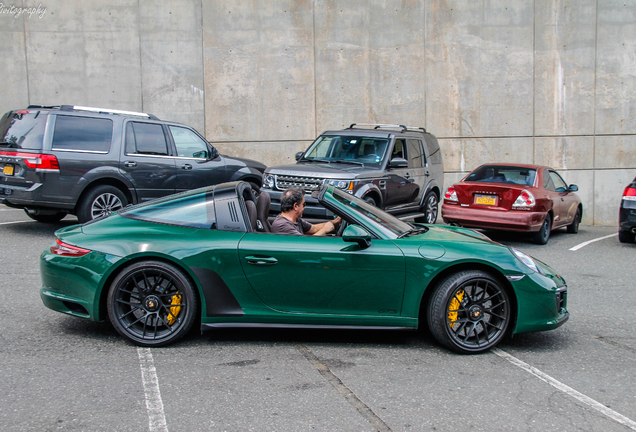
[289, 221]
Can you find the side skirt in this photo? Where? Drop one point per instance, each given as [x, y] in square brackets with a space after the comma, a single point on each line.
[212, 326]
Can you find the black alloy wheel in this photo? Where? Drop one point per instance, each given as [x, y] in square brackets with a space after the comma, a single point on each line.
[573, 228]
[152, 304]
[469, 312]
[543, 235]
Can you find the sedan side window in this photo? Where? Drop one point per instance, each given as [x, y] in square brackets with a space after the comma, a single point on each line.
[559, 184]
[547, 182]
[145, 138]
[188, 143]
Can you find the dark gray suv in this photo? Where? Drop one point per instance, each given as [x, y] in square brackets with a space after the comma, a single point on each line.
[394, 167]
[92, 161]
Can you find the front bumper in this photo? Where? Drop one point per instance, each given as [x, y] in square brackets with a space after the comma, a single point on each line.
[513, 220]
[541, 303]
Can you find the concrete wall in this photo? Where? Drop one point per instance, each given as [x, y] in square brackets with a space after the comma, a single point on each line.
[543, 81]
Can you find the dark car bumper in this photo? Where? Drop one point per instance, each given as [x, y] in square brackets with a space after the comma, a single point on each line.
[627, 216]
[492, 219]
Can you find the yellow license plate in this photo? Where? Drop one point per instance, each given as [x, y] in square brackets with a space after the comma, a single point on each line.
[7, 170]
[486, 199]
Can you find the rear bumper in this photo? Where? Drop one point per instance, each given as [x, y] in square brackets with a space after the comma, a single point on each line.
[513, 220]
[627, 217]
[31, 197]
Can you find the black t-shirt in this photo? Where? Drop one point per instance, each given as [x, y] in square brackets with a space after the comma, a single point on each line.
[282, 225]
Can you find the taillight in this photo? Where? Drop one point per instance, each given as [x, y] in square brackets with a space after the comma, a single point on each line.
[629, 194]
[525, 200]
[67, 250]
[41, 162]
[450, 194]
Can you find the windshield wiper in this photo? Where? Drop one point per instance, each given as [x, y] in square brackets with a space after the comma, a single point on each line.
[349, 162]
[315, 160]
[413, 231]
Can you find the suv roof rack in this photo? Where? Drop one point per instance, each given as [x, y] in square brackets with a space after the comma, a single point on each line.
[382, 125]
[106, 111]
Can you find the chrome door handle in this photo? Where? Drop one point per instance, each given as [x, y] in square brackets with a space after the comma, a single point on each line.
[186, 166]
[261, 260]
[130, 164]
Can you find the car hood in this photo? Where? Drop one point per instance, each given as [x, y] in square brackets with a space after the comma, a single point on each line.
[248, 162]
[324, 170]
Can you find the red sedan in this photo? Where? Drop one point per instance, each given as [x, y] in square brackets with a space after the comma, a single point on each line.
[513, 197]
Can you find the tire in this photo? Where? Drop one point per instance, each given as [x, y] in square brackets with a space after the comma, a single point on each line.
[469, 312]
[573, 228]
[47, 218]
[626, 237]
[100, 201]
[543, 235]
[369, 200]
[429, 208]
[140, 304]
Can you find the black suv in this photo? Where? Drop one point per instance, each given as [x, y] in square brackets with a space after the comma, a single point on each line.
[394, 167]
[627, 215]
[92, 161]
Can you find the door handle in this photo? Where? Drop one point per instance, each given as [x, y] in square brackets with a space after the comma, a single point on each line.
[130, 164]
[261, 260]
[427, 174]
[407, 175]
[186, 166]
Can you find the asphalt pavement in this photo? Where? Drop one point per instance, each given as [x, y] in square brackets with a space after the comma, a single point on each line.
[64, 373]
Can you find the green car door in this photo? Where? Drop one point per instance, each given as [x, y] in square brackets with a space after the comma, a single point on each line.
[324, 275]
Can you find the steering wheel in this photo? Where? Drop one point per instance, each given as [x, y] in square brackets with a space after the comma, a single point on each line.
[341, 228]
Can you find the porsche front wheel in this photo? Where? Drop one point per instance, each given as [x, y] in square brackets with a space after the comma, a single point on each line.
[152, 303]
[469, 312]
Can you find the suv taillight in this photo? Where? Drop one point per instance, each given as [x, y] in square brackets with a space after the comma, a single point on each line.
[629, 194]
[41, 162]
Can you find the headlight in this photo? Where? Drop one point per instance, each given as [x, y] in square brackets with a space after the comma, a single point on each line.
[268, 181]
[526, 259]
[341, 184]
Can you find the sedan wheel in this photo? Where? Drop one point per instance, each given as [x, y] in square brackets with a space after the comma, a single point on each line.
[541, 237]
[573, 228]
[152, 304]
[469, 312]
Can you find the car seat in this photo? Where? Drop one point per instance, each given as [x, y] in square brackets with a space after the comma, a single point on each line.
[262, 213]
[251, 211]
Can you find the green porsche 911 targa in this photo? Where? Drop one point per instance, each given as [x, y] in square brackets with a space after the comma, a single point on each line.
[156, 268]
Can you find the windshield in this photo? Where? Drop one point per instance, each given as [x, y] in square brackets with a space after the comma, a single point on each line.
[348, 149]
[390, 225]
[503, 174]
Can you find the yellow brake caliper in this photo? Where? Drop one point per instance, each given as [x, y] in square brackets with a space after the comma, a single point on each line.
[454, 307]
[175, 309]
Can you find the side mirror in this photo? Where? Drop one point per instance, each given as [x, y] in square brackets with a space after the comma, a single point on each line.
[214, 153]
[573, 188]
[357, 234]
[200, 154]
[398, 162]
[299, 155]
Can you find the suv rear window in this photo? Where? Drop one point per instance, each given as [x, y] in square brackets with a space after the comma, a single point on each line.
[82, 133]
[22, 131]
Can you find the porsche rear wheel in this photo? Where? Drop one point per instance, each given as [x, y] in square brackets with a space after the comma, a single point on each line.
[469, 312]
[152, 303]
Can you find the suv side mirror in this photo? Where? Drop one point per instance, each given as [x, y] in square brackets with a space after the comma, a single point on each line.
[398, 162]
[214, 153]
[299, 155]
[573, 188]
[357, 234]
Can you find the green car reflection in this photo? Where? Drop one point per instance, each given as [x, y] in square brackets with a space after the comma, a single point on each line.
[156, 268]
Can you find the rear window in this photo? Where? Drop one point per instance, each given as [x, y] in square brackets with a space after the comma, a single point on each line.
[82, 134]
[190, 209]
[503, 174]
[22, 131]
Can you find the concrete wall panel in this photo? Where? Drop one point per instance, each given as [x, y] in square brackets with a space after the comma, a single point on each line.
[608, 190]
[616, 68]
[259, 70]
[565, 34]
[172, 61]
[466, 155]
[269, 153]
[369, 63]
[615, 152]
[565, 153]
[14, 72]
[479, 68]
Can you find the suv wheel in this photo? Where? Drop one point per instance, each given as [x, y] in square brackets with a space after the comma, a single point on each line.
[370, 200]
[100, 201]
[429, 209]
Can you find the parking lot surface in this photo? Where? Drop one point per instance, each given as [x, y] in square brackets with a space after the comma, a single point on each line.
[64, 373]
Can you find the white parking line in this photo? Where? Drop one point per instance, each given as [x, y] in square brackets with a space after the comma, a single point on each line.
[579, 246]
[567, 390]
[15, 222]
[154, 404]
